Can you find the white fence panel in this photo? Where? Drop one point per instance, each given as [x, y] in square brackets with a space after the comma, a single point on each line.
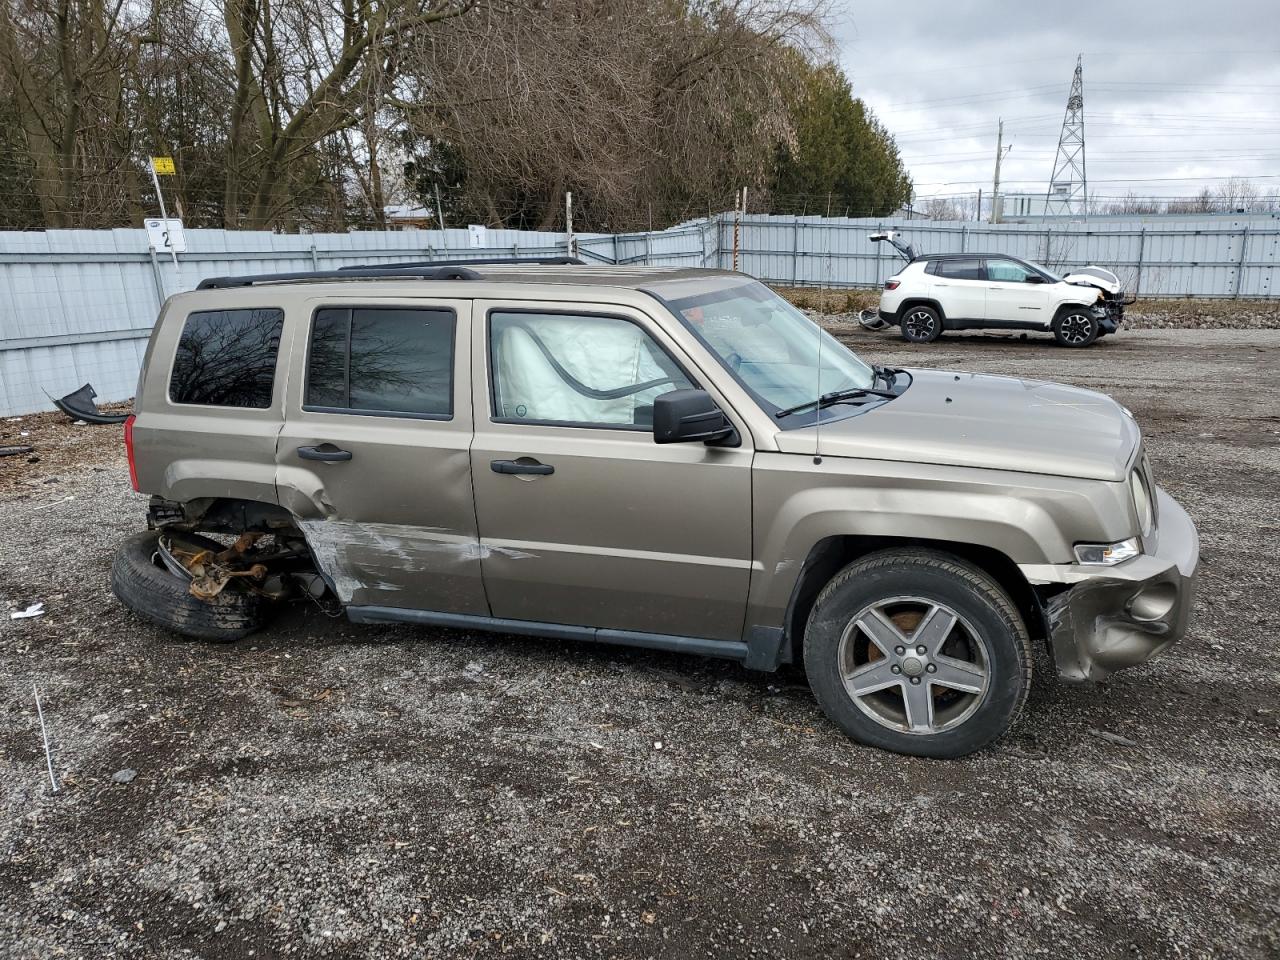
[78, 305]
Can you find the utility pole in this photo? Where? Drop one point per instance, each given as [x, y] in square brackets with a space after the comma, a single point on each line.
[439, 212]
[1001, 152]
[1068, 191]
[738, 214]
[570, 244]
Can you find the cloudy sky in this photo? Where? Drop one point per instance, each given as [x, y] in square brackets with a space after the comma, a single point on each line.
[1177, 94]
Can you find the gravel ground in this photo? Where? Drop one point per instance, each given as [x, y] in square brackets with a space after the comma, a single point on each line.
[327, 789]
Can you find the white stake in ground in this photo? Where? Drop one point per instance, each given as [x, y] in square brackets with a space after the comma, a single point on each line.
[48, 756]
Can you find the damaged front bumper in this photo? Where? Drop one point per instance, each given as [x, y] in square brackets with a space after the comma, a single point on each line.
[1109, 618]
[1108, 317]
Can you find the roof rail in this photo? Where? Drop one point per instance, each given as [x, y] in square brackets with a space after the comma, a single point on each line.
[556, 261]
[409, 272]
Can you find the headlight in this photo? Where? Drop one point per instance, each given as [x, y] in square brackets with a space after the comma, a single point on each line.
[1142, 500]
[1108, 554]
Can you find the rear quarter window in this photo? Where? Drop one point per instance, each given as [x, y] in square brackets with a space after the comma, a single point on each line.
[227, 358]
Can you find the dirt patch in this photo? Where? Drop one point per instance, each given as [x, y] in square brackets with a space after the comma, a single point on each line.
[326, 789]
[59, 446]
[829, 300]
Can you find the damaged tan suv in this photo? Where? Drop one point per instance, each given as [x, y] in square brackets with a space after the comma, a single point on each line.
[664, 458]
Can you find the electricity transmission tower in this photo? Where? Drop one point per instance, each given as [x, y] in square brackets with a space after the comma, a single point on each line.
[1069, 186]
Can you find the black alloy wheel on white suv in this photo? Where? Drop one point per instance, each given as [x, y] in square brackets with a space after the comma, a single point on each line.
[1075, 327]
[920, 324]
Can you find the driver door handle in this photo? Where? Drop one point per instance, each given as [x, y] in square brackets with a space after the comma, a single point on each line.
[325, 453]
[522, 465]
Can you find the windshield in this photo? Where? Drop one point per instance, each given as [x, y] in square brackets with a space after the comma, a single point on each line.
[1046, 271]
[772, 348]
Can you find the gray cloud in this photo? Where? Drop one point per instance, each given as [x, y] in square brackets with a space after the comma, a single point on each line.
[1176, 94]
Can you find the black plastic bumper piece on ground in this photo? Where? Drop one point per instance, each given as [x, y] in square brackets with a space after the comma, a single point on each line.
[80, 405]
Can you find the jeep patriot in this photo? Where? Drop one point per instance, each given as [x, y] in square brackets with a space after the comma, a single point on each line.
[667, 458]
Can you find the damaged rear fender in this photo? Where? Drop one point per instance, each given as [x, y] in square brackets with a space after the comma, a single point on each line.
[188, 480]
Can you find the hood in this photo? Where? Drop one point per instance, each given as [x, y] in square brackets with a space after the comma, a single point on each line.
[1095, 277]
[994, 423]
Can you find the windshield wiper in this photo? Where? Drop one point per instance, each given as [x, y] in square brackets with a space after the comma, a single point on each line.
[888, 374]
[835, 396]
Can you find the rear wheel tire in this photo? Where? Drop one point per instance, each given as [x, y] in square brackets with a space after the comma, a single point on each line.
[920, 324]
[1075, 328]
[150, 590]
[918, 652]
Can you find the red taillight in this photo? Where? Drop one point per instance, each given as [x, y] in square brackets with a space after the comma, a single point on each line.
[128, 451]
[892, 284]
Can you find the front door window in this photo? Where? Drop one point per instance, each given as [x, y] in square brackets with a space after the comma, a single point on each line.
[577, 369]
[1007, 271]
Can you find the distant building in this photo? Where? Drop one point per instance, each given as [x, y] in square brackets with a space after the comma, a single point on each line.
[1032, 207]
[1014, 206]
[404, 215]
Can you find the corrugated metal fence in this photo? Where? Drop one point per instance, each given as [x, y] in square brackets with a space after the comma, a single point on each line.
[1155, 258]
[77, 306]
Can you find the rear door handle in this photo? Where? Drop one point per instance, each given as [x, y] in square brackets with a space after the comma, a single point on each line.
[522, 466]
[325, 453]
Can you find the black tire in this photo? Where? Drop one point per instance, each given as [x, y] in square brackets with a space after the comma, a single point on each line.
[153, 593]
[978, 603]
[920, 324]
[1074, 327]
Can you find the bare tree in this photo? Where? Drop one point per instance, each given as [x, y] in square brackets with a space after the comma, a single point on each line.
[1131, 204]
[1237, 195]
[941, 208]
[63, 65]
[304, 73]
[303, 115]
[626, 104]
[1203, 202]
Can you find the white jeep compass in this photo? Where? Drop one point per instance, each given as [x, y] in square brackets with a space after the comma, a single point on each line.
[968, 291]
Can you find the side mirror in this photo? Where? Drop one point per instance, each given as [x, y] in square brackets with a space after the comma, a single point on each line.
[683, 416]
[1034, 278]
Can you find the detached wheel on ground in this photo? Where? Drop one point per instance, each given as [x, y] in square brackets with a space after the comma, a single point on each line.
[1075, 328]
[920, 324]
[147, 587]
[870, 320]
[918, 652]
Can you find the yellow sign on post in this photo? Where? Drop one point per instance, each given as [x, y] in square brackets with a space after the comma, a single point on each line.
[163, 166]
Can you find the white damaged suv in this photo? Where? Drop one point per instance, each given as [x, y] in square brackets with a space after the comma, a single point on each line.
[989, 291]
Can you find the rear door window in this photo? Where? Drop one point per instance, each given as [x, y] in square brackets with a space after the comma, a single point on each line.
[961, 269]
[382, 361]
[227, 358]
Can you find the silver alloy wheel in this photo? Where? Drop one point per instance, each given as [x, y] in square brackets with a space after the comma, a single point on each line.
[894, 668]
[1076, 328]
[919, 324]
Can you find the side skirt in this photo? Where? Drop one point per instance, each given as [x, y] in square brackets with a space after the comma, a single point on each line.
[729, 649]
[950, 324]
